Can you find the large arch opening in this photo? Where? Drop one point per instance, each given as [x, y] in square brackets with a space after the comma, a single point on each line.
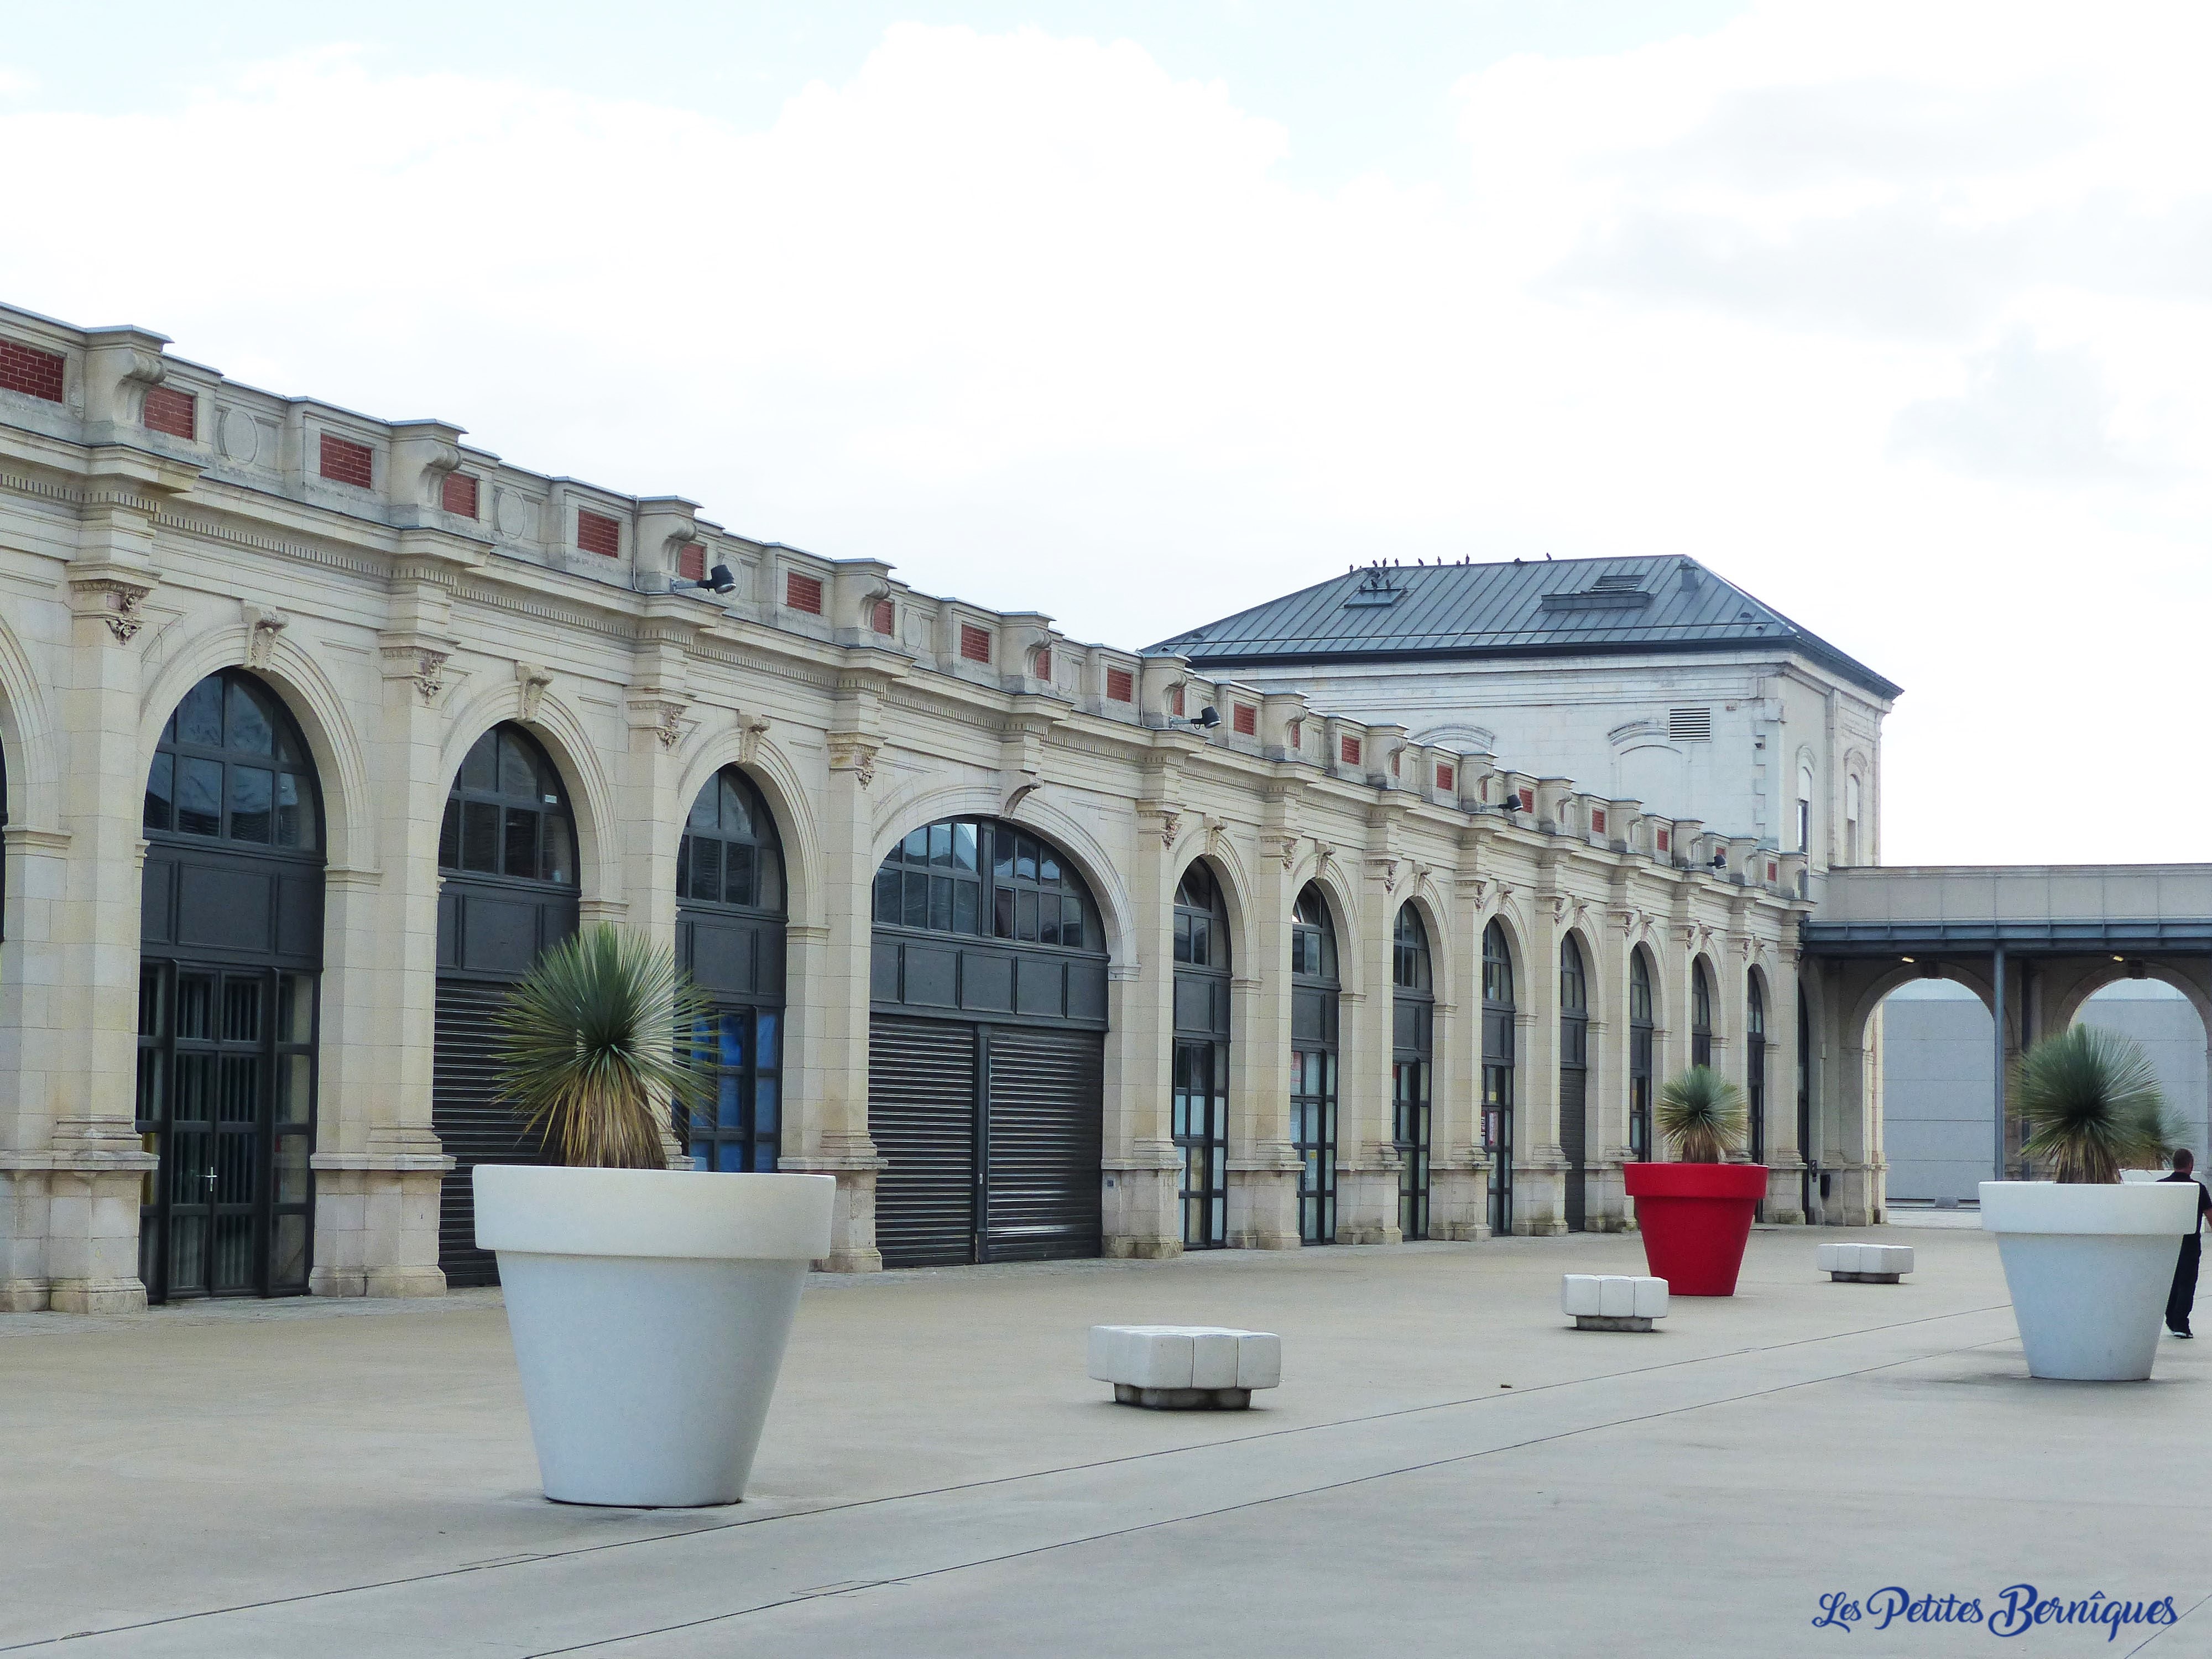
[1498, 1063]
[506, 862]
[1314, 998]
[1574, 1079]
[230, 954]
[985, 1048]
[1199, 1088]
[1413, 1066]
[1938, 1066]
[731, 908]
[1935, 1075]
[2164, 1019]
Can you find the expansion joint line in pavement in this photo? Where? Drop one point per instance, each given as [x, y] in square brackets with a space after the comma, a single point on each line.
[926, 1574]
[537, 1557]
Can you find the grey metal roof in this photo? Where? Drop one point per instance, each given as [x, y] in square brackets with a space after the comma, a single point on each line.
[1547, 607]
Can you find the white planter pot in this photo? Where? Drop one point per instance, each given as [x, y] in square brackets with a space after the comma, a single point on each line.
[649, 1310]
[2089, 1268]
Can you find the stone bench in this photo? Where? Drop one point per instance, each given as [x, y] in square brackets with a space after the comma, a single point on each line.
[1612, 1301]
[1865, 1264]
[1181, 1367]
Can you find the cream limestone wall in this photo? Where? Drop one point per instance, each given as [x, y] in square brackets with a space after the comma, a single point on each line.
[134, 562]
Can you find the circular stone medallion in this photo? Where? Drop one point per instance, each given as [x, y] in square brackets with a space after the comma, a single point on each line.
[241, 437]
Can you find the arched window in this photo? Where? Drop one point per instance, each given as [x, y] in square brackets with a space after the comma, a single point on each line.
[1201, 920]
[730, 937]
[230, 766]
[507, 814]
[982, 876]
[1804, 808]
[1641, 1033]
[1410, 968]
[1313, 1064]
[1574, 984]
[1754, 1025]
[1199, 1093]
[1701, 1014]
[1412, 1053]
[1853, 851]
[1498, 1066]
[729, 853]
[1574, 1077]
[1496, 967]
[1313, 938]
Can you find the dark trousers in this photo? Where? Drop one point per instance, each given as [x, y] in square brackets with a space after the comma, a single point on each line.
[2184, 1294]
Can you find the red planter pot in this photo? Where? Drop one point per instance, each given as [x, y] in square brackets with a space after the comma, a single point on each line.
[1695, 1219]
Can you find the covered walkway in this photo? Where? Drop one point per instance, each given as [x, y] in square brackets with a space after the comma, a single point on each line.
[2034, 942]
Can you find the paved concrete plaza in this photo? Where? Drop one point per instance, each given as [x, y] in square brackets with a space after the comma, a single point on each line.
[1446, 1469]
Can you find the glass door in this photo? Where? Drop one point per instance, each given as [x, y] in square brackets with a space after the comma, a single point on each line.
[1201, 1136]
[1410, 1129]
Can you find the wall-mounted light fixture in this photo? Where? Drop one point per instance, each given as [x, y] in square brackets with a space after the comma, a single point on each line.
[717, 580]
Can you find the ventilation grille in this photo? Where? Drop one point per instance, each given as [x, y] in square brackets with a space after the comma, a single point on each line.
[1689, 725]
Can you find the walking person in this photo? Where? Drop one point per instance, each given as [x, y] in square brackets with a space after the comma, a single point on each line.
[2183, 1296]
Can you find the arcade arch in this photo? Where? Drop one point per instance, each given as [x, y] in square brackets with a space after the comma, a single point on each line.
[230, 954]
[985, 1047]
[507, 864]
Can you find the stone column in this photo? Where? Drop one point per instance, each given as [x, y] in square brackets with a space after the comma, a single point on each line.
[95, 1163]
[378, 1166]
[1538, 1160]
[33, 1046]
[1366, 1155]
[1605, 1208]
[826, 1012]
[1786, 1159]
[1459, 1173]
[1263, 1166]
[1141, 1165]
[656, 708]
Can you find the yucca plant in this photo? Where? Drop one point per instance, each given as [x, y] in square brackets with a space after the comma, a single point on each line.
[2092, 1105]
[1701, 1116]
[594, 1047]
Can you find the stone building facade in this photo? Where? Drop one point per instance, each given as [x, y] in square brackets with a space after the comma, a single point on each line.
[1651, 678]
[268, 667]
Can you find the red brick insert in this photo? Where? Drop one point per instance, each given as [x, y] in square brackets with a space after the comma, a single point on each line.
[343, 461]
[170, 410]
[458, 495]
[597, 533]
[802, 592]
[33, 372]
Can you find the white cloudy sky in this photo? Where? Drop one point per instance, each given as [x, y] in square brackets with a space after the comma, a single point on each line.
[1899, 314]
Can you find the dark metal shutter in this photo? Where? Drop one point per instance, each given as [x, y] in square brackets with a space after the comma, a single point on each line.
[1574, 1139]
[1042, 1126]
[473, 1128]
[921, 1116]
